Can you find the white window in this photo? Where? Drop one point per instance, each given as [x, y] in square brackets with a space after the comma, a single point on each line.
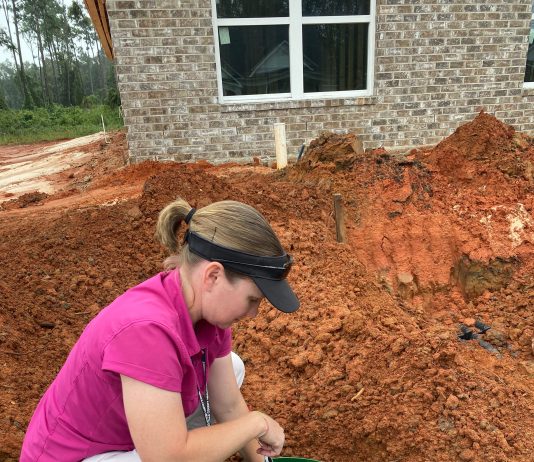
[293, 49]
[529, 72]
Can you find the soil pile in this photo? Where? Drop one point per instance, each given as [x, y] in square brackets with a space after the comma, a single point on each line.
[333, 151]
[485, 142]
[371, 368]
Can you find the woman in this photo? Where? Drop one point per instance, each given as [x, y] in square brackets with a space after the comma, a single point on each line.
[159, 357]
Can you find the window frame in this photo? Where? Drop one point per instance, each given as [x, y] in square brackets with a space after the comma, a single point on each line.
[529, 85]
[295, 21]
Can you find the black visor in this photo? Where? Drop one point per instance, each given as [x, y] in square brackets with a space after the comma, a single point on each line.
[268, 273]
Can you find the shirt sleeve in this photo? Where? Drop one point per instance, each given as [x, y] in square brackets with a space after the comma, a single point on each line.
[145, 351]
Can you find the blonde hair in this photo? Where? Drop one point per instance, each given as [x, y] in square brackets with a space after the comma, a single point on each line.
[230, 224]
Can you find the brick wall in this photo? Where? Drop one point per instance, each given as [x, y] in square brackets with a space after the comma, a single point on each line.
[437, 64]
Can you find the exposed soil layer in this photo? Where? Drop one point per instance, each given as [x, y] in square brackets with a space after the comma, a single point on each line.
[371, 368]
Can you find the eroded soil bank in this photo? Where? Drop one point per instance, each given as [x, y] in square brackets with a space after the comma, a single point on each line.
[371, 368]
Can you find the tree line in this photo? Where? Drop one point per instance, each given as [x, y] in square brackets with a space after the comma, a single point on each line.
[68, 64]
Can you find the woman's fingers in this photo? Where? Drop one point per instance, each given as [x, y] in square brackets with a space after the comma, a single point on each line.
[269, 453]
[273, 448]
[272, 440]
[266, 446]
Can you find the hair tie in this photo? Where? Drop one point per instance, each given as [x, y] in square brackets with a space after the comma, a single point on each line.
[188, 217]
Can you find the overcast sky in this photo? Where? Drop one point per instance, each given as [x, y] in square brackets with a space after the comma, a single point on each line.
[26, 53]
[4, 53]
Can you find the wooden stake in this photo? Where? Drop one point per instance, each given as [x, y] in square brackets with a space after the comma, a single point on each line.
[280, 145]
[340, 218]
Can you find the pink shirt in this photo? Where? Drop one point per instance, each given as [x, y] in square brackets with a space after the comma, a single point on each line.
[146, 334]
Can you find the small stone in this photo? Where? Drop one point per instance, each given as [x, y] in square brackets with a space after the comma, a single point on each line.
[527, 367]
[526, 338]
[502, 442]
[467, 454]
[405, 278]
[329, 414]
[452, 402]
[324, 337]
[445, 424]
[298, 361]
[470, 322]
[496, 337]
[134, 212]
[357, 146]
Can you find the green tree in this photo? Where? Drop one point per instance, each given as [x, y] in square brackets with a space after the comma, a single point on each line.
[68, 61]
[34, 17]
[3, 104]
[11, 12]
[83, 30]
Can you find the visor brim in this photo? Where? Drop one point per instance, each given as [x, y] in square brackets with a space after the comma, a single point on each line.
[279, 294]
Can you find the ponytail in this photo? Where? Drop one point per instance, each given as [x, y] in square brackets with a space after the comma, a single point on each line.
[169, 222]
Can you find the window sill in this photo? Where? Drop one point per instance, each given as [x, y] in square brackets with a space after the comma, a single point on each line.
[298, 104]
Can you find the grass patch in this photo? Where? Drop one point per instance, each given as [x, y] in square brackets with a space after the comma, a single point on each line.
[55, 123]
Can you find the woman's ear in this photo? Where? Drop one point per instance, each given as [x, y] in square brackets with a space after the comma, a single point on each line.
[213, 275]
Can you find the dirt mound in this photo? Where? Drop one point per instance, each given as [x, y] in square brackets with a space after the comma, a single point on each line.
[183, 180]
[333, 151]
[25, 200]
[372, 362]
[125, 175]
[482, 144]
[483, 137]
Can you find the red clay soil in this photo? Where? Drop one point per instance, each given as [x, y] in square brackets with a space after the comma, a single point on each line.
[371, 368]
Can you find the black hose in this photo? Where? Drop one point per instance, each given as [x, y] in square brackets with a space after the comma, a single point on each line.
[301, 151]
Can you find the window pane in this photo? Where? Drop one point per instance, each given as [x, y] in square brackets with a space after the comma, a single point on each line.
[529, 74]
[335, 57]
[254, 59]
[334, 7]
[252, 8]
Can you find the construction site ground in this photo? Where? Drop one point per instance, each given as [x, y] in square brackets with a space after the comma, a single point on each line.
[375, 365]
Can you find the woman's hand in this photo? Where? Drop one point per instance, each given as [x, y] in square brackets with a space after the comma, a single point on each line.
[272, 438]
[157, 424]
[228, 404]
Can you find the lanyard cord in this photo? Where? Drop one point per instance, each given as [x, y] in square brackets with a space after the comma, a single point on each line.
[205, 405]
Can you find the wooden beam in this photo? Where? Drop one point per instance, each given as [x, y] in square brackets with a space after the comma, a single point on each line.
[99, 16]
